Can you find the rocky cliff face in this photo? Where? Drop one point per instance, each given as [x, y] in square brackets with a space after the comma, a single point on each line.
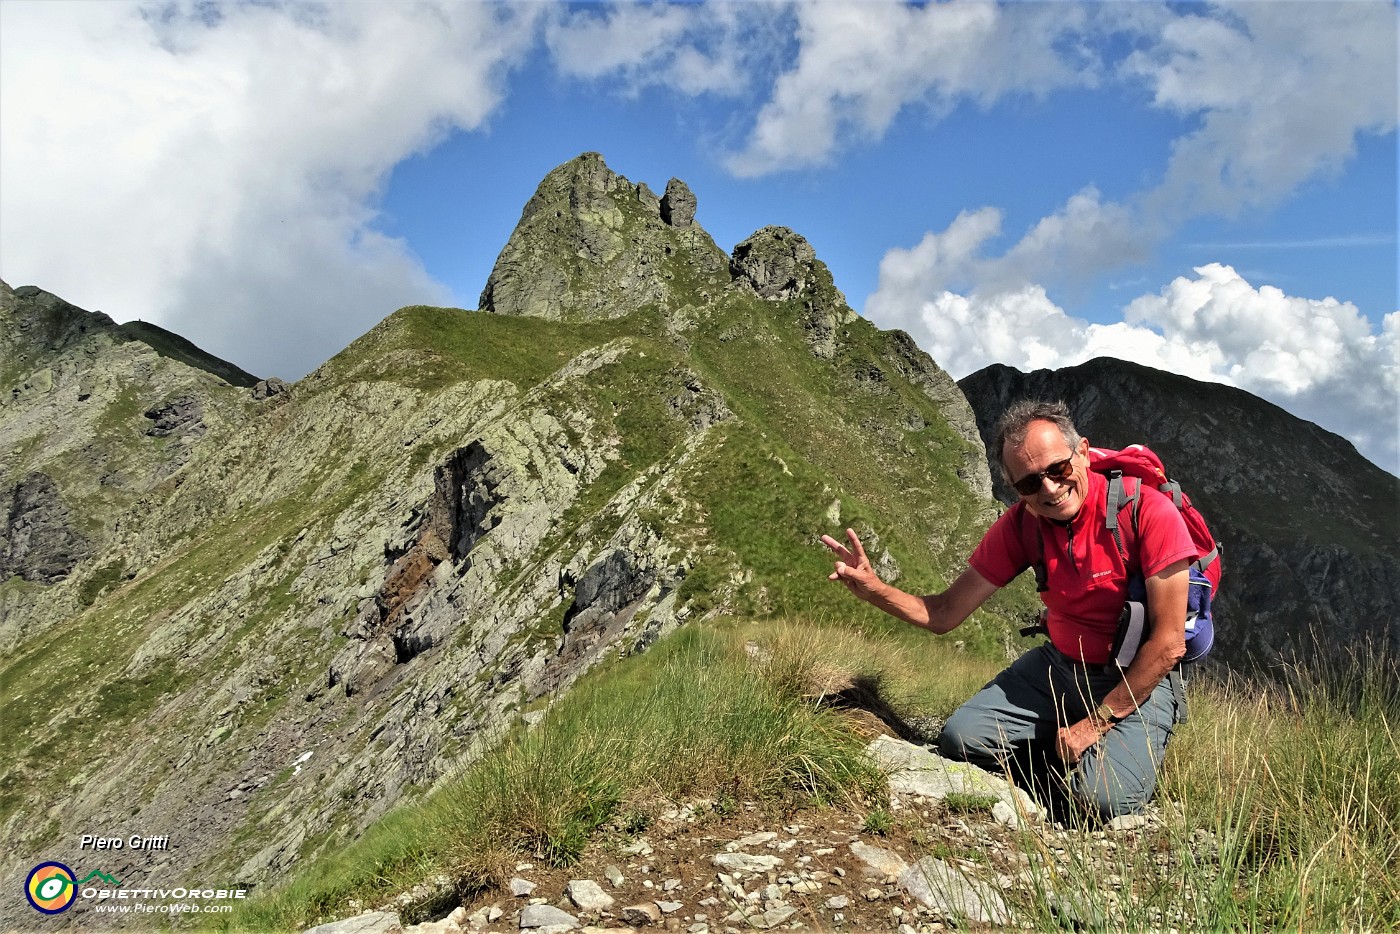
[1309, 526]
[93, 417]
[296, 605]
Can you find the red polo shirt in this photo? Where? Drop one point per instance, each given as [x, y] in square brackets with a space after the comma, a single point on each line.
[1088, 583]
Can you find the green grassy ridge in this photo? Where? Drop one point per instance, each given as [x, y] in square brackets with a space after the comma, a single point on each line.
[99, 644]
[83, 666]
[1305, 794]
[172, 345]
[805, 437]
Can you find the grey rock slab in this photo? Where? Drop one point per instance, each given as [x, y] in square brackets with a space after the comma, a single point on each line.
[521, 887]
[372, 922]
[669, 908]
[1125, 822]
[588, 895]
[887, 864]
[919, 772]
[539, 916]
[546, 916]
[773, 917]
[938, 885]
[746, 862]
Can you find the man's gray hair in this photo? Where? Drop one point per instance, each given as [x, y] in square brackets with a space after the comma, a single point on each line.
[1015, 423]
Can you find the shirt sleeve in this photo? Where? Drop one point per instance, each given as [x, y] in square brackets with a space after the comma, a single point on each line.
[1164, 538]
[1001, 555]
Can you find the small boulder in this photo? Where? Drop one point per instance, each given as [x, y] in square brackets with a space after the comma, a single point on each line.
[371, 922]
[884, 864]
[588, 895]
[938, 885]
[641, 915]
[541, 916]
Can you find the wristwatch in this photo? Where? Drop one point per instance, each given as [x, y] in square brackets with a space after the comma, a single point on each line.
[1104, 713]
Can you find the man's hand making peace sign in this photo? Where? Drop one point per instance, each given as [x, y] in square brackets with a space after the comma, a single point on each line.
[938, 612]
[852, 566]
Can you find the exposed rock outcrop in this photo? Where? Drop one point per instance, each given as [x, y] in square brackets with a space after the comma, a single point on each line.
[104, 412]
[920, 369]
[590, 244]
[39, 542]
[678, 204]
[779, 265]
[182, 415]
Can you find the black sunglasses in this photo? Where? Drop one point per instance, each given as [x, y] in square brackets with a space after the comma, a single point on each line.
[1059, 471]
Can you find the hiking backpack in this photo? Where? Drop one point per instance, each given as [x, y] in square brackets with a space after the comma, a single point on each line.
[1126, 470]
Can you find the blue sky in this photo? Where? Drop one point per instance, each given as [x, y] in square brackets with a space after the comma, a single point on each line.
[1199, 187]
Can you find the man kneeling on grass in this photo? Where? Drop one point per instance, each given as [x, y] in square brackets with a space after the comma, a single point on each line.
[1065, 700]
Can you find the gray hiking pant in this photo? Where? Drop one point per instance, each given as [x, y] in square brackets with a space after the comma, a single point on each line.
[1013, 721]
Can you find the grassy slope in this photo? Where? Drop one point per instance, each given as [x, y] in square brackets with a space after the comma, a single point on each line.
[1287, 814]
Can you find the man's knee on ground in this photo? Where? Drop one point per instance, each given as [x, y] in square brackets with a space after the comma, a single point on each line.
[966, 737]
[1100, 796]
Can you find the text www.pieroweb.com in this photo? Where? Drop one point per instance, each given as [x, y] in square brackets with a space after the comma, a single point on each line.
[181, 908]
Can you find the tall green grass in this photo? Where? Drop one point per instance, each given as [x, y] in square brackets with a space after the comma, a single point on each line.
[1280, 811]
[695, 718]
[1301, 786]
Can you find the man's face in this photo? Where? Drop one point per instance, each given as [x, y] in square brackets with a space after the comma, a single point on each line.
[1045, 446]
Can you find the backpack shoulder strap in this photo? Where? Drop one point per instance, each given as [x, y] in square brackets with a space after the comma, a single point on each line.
[1033, 541]
[1123, 492]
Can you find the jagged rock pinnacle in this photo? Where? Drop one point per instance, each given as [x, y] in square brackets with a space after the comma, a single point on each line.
[590, 244]
[780, 265]
[678, 204]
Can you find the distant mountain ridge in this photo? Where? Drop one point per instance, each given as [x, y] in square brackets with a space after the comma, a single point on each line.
[58, 324]
[1311, 528]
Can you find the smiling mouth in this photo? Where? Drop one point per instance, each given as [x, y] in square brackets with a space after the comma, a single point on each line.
[1059, 499]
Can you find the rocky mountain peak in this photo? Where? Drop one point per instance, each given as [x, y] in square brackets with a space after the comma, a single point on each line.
[779, 265]
[776, 263]
[591, 244]
[38, 323]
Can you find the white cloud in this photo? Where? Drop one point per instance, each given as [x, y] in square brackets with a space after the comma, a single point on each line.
[1085, 236]
[712, 48]
[210, 167]
[860, 64]
[1318, 358]
[1277, 93]
[1282, 90]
